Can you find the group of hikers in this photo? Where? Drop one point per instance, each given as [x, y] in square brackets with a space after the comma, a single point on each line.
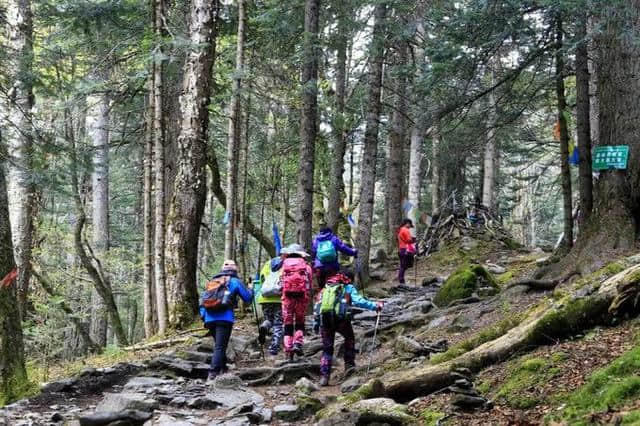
[284, 291]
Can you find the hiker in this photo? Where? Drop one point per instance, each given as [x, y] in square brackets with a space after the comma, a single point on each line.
[406, 248]
[295, 276]
[271, 303]
[324, 249]
[216, 310]
[332, 313]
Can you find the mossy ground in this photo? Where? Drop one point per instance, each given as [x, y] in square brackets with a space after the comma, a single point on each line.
[463, 283]
[526, 374]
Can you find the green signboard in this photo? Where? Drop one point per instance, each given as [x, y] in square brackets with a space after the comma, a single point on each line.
[610, 157]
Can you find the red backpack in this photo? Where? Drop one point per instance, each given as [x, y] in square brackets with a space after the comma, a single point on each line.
[295, 277]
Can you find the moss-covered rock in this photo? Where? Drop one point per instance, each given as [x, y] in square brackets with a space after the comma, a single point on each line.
[463, 283]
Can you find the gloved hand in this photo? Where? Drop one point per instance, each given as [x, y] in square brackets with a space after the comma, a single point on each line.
[379, 306]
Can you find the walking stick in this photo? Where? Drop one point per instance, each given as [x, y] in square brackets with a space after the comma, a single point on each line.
[373, 342]
[255, 314]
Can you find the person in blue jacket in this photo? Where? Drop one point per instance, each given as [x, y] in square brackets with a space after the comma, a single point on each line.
[330, 323]
[220, 322]
[324, 251]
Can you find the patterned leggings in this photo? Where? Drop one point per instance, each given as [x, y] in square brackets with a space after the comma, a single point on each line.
[293, 310]
[273, 313]
[328, 334]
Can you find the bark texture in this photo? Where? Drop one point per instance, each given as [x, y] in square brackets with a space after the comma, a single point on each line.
[370, 151]
[233, 140]
[17, 129]
[491, 154]
[148, 282]
[160, 178]
[97, 128]
[13, 374]
[583, 121]
[308, 123]
[187, 204]
[436, 170]
[565, 171]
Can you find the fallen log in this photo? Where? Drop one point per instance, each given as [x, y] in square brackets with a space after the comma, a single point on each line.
[158, 344]
[569, 317]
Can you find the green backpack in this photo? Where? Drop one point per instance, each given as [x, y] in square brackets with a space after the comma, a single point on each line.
[334, 301]
[326, 252]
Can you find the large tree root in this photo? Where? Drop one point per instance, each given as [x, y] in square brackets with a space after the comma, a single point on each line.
[271, 375]
[571, 316]
[545, 284]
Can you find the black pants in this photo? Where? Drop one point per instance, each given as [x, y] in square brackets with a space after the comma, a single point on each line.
[221, 331]
[406, 262]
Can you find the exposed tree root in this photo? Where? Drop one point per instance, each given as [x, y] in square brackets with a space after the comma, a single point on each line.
[158, 344]
[567, 318]
[545, 284]
[271, 375]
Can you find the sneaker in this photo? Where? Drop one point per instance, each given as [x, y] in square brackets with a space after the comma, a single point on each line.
[324, 381]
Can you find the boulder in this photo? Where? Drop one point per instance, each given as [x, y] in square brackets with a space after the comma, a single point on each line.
[407, 347]
[231, 398]
[117, 402]
[66, 385]
[286, 412]
[308, 405]
[203, 403]
[382, 410]
[351, 385]
[124, 417]
[305, 385]
[495, 269]
[463, 283]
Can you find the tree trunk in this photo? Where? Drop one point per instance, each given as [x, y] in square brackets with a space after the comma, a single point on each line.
[159, 153]
[594, 114]
[233, 142]
[91, 264]
[613, 224]
[13, 375]
[435, 170]
[308, 123]
[583, 120]
[336, 191]
[243, 202]
[370, 151]
[564, 139]
[17, 131]
[417, 130]
[395, 172]
[97, 128]
[491, 153]
[147, 277]
[189, 197]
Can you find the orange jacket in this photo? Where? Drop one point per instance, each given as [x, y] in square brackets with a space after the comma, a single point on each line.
[404, 237]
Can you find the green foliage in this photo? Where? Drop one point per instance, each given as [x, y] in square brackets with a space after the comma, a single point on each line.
[527, 373]
[464, 282]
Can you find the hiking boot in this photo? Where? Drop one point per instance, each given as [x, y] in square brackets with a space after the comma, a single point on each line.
[211, 377]
[324, 381]
[297, 349]
[349, 370]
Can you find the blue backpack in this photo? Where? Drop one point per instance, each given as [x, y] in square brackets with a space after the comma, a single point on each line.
[326, 252]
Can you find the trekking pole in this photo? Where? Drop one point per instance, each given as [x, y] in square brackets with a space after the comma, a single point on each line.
[373, 342]
[255, 314]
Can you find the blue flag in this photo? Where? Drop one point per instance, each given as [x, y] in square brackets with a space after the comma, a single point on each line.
[276, 239]
[352, 223]
[227, 218]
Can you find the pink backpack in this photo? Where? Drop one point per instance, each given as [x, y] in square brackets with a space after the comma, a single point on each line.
[295, 277]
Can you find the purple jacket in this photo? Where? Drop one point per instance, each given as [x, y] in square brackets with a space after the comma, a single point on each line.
[325, 235]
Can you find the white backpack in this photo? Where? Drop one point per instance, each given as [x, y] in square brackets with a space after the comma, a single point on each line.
[272, 285]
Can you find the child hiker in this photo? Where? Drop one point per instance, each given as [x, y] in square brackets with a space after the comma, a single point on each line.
[216, 310]
[332, 313]
[325, 248]
[296, 290]
[271, 303]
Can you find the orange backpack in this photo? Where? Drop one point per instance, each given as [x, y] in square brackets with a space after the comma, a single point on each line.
[217, 296]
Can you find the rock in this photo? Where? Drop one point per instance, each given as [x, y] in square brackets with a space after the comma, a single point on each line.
[427, 281]
[461, 323]
[308, 405]
[178, 401]
[286, 412]
[201, 357]
[266, 414]
[382, 410]
[306, 386]
[230, 398]
[167, 420]
[203, 403]
[66, 385]
[117, 402]
[57, 417]
[146, 382]
[236, 421]
[124, 417]
[463, 283]
[487, 291]
[406, 346]
[351, 384]
[467, 243]
[495, 269]
[468, 402]
[227, 381]
[463, 383]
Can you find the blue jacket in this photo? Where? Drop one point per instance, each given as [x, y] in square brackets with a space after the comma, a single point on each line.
[358, 300]
[237, 289]
[340, 246]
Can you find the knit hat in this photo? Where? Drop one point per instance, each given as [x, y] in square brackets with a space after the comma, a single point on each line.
[229, 265]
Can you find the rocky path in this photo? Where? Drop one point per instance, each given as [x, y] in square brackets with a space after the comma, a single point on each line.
[170, 389]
